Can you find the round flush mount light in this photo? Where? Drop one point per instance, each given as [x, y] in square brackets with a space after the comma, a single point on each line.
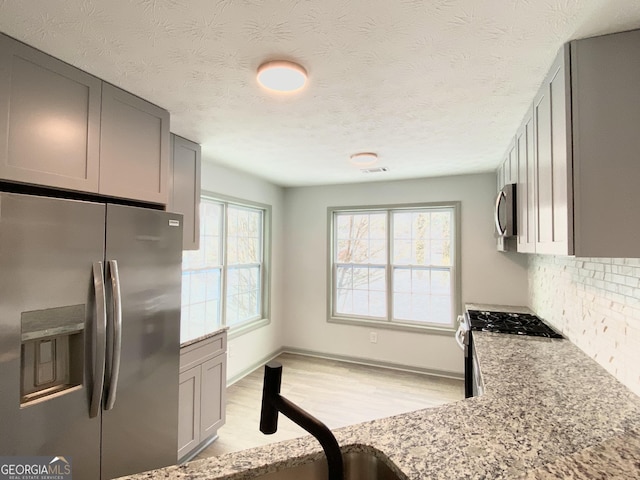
[364, 159]
[282, 76]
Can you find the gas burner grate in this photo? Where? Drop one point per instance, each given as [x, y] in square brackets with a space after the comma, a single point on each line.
[512, 323]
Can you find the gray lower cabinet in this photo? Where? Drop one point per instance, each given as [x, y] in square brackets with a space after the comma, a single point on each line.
[185, 188]
[203, 377]
[49, 120]
[582, 166]
[189, 410]
[61, 127]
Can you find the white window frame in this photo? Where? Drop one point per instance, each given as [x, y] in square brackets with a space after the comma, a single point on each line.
[387, 321]
[263, 317]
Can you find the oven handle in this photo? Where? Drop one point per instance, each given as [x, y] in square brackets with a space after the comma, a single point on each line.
[461, 333]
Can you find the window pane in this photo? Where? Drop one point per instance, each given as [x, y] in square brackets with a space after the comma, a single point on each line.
[422, 238]
[344, 277]
[210, 228]
[402, 251]
[244, 233]
[344, 303]
[243, 294]
[201, 290]
[422, 295]
[377, 251]
[361, 238]
[360, 291]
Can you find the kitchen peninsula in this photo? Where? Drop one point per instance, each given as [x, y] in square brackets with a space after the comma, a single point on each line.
[548, 411]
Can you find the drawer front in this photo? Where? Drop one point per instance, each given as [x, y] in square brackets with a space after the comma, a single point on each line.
[200, 352]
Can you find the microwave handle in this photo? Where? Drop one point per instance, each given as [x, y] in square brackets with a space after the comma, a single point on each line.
[501, 230]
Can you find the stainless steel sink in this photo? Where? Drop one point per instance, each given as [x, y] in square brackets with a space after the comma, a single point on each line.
[357, 466]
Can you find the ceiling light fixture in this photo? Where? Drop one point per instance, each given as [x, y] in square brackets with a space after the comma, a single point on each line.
[364, 159]
[282, 76]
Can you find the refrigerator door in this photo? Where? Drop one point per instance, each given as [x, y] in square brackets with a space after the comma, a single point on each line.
[140, 420]
[49, 250]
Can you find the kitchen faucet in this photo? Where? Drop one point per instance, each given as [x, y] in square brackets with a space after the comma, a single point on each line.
[273, 402]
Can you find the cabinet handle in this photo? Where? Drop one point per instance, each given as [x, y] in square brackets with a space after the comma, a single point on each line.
[99, 340]
[499, 227]
[116, 343]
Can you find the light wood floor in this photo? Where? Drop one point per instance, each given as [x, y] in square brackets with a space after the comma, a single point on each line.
[337, 393]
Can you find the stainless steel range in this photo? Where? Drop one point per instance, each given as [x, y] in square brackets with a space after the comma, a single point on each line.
[497, 322]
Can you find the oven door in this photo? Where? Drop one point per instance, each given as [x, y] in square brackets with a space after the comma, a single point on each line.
[474, 386]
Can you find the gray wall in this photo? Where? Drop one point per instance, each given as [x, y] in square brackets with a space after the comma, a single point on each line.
[487, 275]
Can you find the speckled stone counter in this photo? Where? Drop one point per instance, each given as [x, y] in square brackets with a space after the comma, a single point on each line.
[548, 411]
[203, 337]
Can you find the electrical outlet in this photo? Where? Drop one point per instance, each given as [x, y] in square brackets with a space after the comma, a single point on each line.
[373, 337]
[229, 351]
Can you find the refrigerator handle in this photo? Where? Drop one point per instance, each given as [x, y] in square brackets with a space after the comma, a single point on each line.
[116, 344]
[99, 340]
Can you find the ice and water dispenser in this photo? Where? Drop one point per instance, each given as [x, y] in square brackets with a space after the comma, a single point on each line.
[52, 356]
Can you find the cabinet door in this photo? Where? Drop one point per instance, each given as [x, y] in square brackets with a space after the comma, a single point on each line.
[49, 120]
[134, 148]
[526, 186]
[189, 411]
[552, 131]
[501, 174]
[605, 75]
[513, 164]
[185, 190]
[213, 398]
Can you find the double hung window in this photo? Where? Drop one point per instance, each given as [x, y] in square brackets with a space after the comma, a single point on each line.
[396, 265]
[224, 282]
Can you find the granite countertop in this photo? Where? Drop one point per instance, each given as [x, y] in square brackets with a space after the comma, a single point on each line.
[548, 411]
[203, 337]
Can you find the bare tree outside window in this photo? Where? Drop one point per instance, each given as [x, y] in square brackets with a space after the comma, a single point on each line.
[244, 259]
[394, 265]
[361, 252]
[231, 260]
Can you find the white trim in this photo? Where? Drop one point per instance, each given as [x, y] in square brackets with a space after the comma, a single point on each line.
[344, 358]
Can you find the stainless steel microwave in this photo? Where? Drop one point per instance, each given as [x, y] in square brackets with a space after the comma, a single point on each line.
[506, 212]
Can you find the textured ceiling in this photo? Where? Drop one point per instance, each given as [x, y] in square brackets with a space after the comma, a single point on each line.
[435, 87]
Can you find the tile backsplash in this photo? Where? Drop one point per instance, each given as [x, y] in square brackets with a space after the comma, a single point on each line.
[595, 302]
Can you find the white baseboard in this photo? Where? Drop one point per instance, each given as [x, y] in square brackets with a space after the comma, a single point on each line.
[375, 363]
[344, 358]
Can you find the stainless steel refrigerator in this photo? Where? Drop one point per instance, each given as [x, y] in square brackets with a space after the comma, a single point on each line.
[89, 333]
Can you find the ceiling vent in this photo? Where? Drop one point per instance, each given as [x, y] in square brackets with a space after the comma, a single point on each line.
[374, 170]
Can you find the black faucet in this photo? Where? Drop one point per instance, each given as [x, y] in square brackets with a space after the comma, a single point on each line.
[273, 402]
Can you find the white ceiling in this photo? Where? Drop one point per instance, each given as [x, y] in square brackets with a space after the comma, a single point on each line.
[435, 87]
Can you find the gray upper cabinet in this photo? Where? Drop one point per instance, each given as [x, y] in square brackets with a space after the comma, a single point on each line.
[134, 147]
[581, 184]
[605, 87]
[553, 180]
[185, 189]
[525, 189]
[511, 172]
[61, 127]
[49, 120]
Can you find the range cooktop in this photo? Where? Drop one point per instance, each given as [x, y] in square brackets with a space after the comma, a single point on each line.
[513, 323]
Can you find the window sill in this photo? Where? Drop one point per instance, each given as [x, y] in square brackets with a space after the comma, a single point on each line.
[447, 331]
[244, 328]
